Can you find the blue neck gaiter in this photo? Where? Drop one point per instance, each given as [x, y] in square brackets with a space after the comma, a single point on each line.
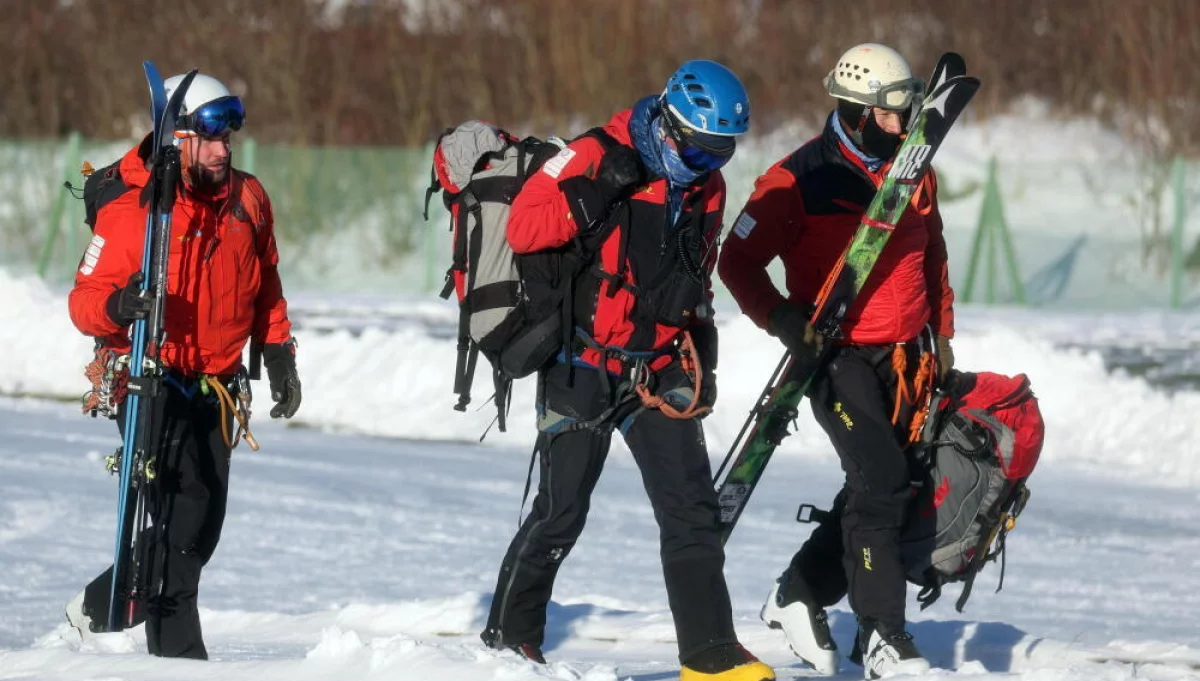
[874, 164]
[659, 157]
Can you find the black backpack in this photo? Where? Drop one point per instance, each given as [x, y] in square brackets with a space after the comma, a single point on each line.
[101, 187]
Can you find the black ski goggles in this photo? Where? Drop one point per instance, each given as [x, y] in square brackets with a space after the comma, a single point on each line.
[214, 118]
[701, 151]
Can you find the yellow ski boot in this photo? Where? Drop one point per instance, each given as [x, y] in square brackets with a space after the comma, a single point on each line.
[726, 663]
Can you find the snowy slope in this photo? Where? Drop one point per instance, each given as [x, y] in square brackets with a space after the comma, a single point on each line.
[351, 557]
[382, 365]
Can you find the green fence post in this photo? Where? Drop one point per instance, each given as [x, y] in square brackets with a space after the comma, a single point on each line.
[431, 235]
[1178, 173]
[71, 161]
[992, 234]
[977, 245]
[990, 257]
[1005, 236]
[249, 152]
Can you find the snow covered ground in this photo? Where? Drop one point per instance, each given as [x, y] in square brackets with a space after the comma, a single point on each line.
[364, 546]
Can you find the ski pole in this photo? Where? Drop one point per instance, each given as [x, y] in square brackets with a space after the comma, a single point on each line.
[755, 411]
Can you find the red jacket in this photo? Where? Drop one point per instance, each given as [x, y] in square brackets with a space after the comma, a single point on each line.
[222, 284]
[544, 216]
[804, 210]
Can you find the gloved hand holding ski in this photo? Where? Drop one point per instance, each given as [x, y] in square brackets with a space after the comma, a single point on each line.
[130, 303]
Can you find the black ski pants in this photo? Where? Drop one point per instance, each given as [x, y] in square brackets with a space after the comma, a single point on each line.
[186, 503]
[673, 459]
[855, 549]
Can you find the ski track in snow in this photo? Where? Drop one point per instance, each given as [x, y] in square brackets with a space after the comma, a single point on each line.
[352, 557]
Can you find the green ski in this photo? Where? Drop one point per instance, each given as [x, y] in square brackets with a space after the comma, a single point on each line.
[949, 92]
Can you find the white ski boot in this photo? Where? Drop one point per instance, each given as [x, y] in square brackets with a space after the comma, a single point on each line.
[807, 631]
[888, 655]
[77, 618]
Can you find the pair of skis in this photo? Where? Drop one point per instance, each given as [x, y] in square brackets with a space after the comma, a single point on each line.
[946, 96]
[131, 555]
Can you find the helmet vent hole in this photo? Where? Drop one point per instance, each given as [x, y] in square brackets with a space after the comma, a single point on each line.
[695, 87]
[704, 102]
[722, 121]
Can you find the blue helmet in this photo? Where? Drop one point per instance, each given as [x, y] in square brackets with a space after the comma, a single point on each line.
[707, 97]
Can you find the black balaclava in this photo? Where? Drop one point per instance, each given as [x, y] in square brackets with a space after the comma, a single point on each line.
[870, 138]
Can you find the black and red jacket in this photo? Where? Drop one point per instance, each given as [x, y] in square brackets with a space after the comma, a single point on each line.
[631, 316]
[804, 210]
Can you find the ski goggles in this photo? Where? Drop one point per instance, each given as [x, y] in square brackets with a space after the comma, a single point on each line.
[214, 118]
[896, 96]
[702, 151]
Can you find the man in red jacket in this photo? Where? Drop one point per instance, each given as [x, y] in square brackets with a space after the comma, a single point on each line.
[649, 189]
[804, 210]
[223, 290]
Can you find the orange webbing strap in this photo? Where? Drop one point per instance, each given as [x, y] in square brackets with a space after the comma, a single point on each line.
[228, 404]
[915, 393]
[690, 361]
[923, 381]
[925, 188]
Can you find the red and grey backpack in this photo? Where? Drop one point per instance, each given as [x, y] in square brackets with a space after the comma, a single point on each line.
[510, 306]
[979, 445]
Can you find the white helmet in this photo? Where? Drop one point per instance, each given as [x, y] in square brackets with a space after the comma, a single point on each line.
[874, 75]
[226, 113]
[203, 90]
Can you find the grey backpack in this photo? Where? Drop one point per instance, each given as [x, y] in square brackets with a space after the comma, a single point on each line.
[979, 445]
[509, 304]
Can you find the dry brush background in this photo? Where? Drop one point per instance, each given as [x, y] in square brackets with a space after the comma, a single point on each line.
[363, 72]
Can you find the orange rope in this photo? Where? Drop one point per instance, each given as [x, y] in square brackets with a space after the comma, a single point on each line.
[106, 366]
[914, 393]
[690, 361]
[923, 381]
[900, 366]
[227, 405]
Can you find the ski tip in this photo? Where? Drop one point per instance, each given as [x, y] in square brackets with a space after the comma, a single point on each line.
[949, 65]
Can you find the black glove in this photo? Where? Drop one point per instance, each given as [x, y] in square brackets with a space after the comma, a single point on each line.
[127, 304]
[590, 197]
[789, 323]
[945, 358]
[620, 169]
[280, 360]
[704, 337]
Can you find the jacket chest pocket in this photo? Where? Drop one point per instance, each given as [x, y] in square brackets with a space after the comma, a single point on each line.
[239, 242]
[674, 282]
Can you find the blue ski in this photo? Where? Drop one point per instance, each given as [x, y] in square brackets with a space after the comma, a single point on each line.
[145, 371]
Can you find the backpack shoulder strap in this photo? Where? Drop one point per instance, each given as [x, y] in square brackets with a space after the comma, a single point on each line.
[616, 280]
[101, 188]
[602, 136]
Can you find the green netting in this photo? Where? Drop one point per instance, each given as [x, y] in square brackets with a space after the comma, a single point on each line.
[1084, 233]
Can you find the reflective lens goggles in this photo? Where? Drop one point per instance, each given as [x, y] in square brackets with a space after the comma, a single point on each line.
[701, 151]
[899, 95]
[215, 117]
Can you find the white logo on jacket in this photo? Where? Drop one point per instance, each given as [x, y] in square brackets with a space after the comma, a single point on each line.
[554, 166]
[744, 225]
[92, 255]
